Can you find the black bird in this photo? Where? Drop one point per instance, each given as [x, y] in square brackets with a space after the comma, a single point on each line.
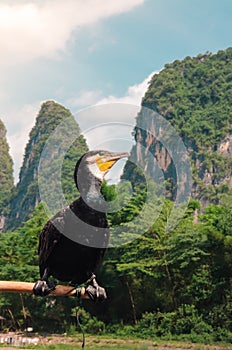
[74, 241]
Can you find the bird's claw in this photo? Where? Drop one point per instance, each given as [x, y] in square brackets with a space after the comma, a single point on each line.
[43, 288]
[95, 292]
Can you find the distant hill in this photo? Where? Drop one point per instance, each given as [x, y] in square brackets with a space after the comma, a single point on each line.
[195, 96]
[26, 194]
[6, 175]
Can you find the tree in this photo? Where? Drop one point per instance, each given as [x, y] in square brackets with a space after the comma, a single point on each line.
[6, 175]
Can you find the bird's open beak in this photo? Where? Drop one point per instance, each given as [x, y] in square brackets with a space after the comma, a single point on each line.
[107, 161]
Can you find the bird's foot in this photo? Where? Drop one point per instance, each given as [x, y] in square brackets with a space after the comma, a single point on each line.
[95, 292]
[43, 288]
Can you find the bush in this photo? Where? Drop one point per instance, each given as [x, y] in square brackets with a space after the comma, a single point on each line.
[222, 334]
[184, 321]
[183, 324]
[89, 323]
[220, 316]
[121, 330]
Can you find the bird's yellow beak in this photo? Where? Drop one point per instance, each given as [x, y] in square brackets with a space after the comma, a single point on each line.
[106, 162]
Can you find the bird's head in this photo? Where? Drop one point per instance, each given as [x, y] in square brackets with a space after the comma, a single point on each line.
[95, 165]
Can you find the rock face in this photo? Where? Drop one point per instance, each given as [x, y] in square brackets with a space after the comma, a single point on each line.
[195, 97]
[6, 176]
[225, 149]
[213, 172]
[26, 194]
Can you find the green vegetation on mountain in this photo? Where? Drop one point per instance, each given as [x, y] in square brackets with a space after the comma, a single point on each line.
[6, 175]
[26, 194]
[195, 96]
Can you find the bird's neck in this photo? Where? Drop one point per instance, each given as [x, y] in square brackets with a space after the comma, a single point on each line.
[92, 194]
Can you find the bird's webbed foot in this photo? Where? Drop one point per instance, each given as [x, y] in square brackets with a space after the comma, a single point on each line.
[95, 292]
[43, 288]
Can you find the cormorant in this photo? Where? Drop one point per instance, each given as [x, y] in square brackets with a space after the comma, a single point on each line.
[74, 241]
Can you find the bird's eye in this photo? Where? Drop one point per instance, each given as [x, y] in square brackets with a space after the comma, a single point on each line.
[101, 153]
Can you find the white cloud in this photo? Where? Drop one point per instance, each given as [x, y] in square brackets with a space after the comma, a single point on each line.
[34, 29]
[85, 98]
[133, 94]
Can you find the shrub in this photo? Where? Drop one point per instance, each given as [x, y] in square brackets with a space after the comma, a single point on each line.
[185, 320]
[89, 323]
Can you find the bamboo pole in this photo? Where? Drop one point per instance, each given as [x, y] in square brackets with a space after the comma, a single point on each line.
[27, 287]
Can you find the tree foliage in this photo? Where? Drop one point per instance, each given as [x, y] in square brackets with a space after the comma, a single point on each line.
[6, 172]
[157, 277]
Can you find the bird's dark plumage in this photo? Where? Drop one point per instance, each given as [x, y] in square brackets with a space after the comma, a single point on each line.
[74, 241]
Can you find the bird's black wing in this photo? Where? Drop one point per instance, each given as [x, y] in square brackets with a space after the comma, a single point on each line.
[49, 237]
[51, 234]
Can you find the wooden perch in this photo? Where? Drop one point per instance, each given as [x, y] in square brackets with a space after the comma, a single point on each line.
[27, 287]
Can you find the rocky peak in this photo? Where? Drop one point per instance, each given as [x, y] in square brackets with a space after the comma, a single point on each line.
[26, 194]
[195, 96]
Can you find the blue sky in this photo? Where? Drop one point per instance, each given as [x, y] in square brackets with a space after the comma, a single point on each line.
[83, 53]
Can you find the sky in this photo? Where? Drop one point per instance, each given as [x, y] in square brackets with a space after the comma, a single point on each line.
[94, 52]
